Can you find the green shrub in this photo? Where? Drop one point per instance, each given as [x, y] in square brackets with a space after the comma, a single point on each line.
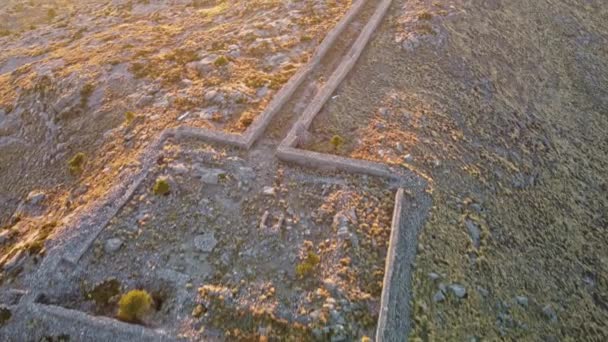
[220, 61]
[161, 187]
[134, 305]
[336, 141]
[76, 163]
[85, 93]
[5, 315]
[51, 13]
[425, 16]
[129, 117]
[307, 267]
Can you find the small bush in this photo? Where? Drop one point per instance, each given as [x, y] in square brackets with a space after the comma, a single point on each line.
[161, 187]
[51, 13]
[336, 141]
[307, 267]
[76, 163]
[5, 315]
[129, 117]
[85, 93]
[182, 56]
[220, 61]
[134, 305]
[425, 16]
[246, 119]
[255, 82]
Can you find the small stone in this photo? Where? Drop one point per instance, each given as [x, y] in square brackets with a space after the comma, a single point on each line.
[205, 242]
[434, 276]
[314, 315]
[210, 176]
[343, 232]
[439, 297]
[336, 317]
[264, 219]
[112, 245]
[550, 313]
[474, 232]
[144, 101]
[458, 290]
[269, 191]
[208, 113]
[209, 95]
[522, 300]
[482, 291]
[183, 116]
[318, 334]
[408, 158]
[179, 168]
[330, 285]
[36, 197]
[262, 92]
[338, 333]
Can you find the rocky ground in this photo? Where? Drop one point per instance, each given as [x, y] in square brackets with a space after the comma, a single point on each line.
[98, 80]
[502, 105]
[292, 254]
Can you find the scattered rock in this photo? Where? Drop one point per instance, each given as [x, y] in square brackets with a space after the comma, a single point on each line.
[330, 285]
[36, 197]
[210, 176]
[262, 92]
[269, 191]
[264, 219]
[482, 291]
[550, 313]
[205, 243]
[439, 297]
[183, 116]
[245, 173]
[434, 276]
[144, 101]
[179, 168]
[112, 245]
[208, 113]
[474, 232]
[343, 232]
[458, 290]
[522, 300]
